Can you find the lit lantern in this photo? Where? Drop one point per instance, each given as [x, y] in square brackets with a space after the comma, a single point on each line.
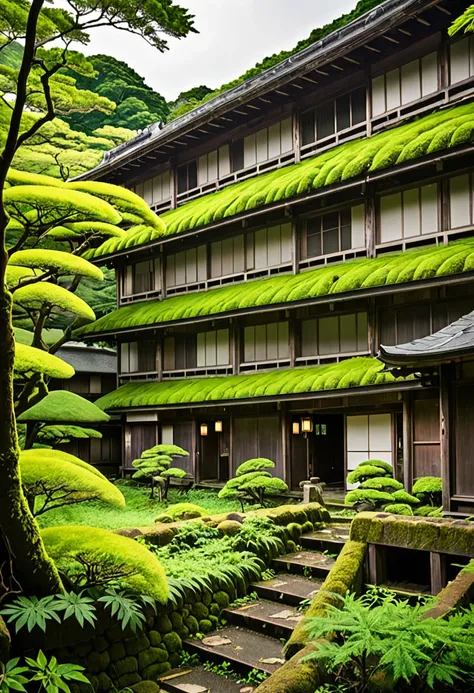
[307, 425]
[218, 426]
[204, 430]
[296, 428]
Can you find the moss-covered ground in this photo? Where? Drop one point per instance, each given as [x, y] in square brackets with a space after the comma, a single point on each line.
[139, 510]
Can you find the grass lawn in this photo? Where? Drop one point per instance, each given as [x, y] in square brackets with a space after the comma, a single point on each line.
[139, 511]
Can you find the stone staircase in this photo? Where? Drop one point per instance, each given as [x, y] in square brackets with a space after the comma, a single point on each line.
[255, 632]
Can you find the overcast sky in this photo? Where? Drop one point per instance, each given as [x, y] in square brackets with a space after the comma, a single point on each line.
[234, 35]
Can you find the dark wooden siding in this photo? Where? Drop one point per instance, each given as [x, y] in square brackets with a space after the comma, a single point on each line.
[426, 436]
[183, 436]
[259, 436]
[463, 482]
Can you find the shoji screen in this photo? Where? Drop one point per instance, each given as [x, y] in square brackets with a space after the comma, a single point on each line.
[368, 436]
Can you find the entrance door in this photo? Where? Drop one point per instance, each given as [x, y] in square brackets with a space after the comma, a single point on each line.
[209, 455]
[327, 459]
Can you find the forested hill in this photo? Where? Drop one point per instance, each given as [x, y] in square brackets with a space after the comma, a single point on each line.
[183, 106]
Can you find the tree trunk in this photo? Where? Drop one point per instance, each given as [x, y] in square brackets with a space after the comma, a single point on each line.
[34, 569]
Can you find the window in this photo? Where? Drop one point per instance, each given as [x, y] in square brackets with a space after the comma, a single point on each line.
[405, 84]
[155, 189]
[138, 357]
[266, 342]
[179, 352]
[268, 143]
[187, 177]
[334, 116]
[269, 247]
[368, 437]
[461, 201]
[409, 213]
[336, 334]
[187, 267]
[213, 166]
[227, 257]
[213, 348]
[334, 232]
[237, 155]
[142, 277]
[461, 60]
[191, 351]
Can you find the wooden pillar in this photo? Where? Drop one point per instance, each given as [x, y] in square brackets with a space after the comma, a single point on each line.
[377, 564]
[284, 442]
[408, 440]
[295, 246]
[159, 356]
[438, 572]
[372, 328]
[196, 449]
[370, 222]
[235, 347]
[173, 184]
[296, 134]
[292, 339]
[444, 378]
[162, 273]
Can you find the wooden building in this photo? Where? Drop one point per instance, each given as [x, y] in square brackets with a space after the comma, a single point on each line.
[250, 327]
[95, 376]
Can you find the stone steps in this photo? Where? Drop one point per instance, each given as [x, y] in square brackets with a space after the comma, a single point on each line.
[287, 589]
[308, 563]
[329, 541]
[243, 648]
[184, 679]
[265, 616]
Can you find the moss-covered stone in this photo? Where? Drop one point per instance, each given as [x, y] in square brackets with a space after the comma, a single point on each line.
[83, 648]
[229, 528]
[175, 660]
[114, 633]
[290, 546]
[128, 665]
[163, 624]
[206, 597]
[136, 644]
[200, 611]
[205, 625]
[151, 656]
[192, 624]
[172, 642]
[294, 530]
[296, 676]
[104, 682]
[128, 680]
[116, 651]
[155, 670]
[221, 599]
[97, 662]
[154, 637]
[176, 620]
[145, 687]
[99, 644]
[214, 621]
[214, 609]
[344, 575]
[307, 527]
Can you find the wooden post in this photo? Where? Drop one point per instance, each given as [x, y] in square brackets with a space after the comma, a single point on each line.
[370, 222]
[292, 339]
[284, 442]
[235, 347]
[372, 328]
[438, 572]
[173, 184]
[295, 120]
[444, 377]
[295, 246]
[408, 440]
[377, 564]
[162, 273]
[159, 356]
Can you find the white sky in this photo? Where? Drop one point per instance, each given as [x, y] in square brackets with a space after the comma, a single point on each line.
[234, 35]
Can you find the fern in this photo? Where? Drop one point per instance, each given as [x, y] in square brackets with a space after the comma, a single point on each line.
[124, 608]
[77, 606]
[32, 612]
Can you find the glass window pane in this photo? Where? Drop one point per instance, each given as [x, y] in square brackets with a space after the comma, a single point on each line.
[359, 106]
[346, 242]
[330, 221]
[331, 241]
[325, 120]
[314, 244]
[343, 111]
[307, 128]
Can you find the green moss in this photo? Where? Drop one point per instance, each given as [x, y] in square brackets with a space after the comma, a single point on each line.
[29, 360]
[254, 465]
[222, 601]
[427, 485]
[402, 496]
[151, 656]
[344, 576]
[57, 261]
[229, 527]
[200, 611]
[186, 511]
[295, 380]
[97, 662]
[389, 269]
[163, 623]
[116, 651]
[205, 626]
[192, 624]
[137, 644]
[105, 682]
[128, 680]
[66, 407]
[384, 483]
[172, 642]
[294, 530]
[307, 527]
[399, 509]
[145, 687]
[52, 296]
[291, 546]
[365, 471]
[126, 666]
[152, 672]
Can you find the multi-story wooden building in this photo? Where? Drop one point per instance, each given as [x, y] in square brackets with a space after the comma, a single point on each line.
[314, 212]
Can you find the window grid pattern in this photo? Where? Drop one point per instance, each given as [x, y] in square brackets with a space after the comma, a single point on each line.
[409, 213]
[266, 342]
[333, 117]
[334, 232]
[334, 335]
[405, 84]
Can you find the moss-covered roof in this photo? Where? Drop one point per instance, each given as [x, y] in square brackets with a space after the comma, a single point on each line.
[433, 133]
[356, 372]
[366, 273]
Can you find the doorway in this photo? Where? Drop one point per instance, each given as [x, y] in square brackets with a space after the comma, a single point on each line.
[213, 451]
[327, 454]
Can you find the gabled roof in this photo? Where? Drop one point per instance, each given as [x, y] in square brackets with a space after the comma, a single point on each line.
[88, 359]
[373, 23]
[356, 372]
[335, 279]
[434, 133]
[452, 342]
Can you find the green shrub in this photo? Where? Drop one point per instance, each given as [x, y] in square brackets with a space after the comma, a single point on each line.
[48, 295]
[368, 495]
[185, 511]
[294, 530]
[406, 498]
[91, 556]
[385, 483]
[255, 465]
[307, 527]
[39, 453]
[153, 467]
[429, 490]
[365, 471]
[205, 626]
[399, 509]
[66, 407]
[428, 511]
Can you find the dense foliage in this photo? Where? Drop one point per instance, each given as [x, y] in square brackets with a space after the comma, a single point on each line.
[378, 489]
[253, 482]
[154, 467]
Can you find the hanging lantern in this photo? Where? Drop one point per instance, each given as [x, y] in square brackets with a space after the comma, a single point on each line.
[204, 428]
[218, 426]
[307, 425]
[296, 428]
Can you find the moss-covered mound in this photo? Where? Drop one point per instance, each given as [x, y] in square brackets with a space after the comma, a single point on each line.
[64, 406]
[356, 372]
[433, 133]
[79, 551]
[30, 360]
[389, 269]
